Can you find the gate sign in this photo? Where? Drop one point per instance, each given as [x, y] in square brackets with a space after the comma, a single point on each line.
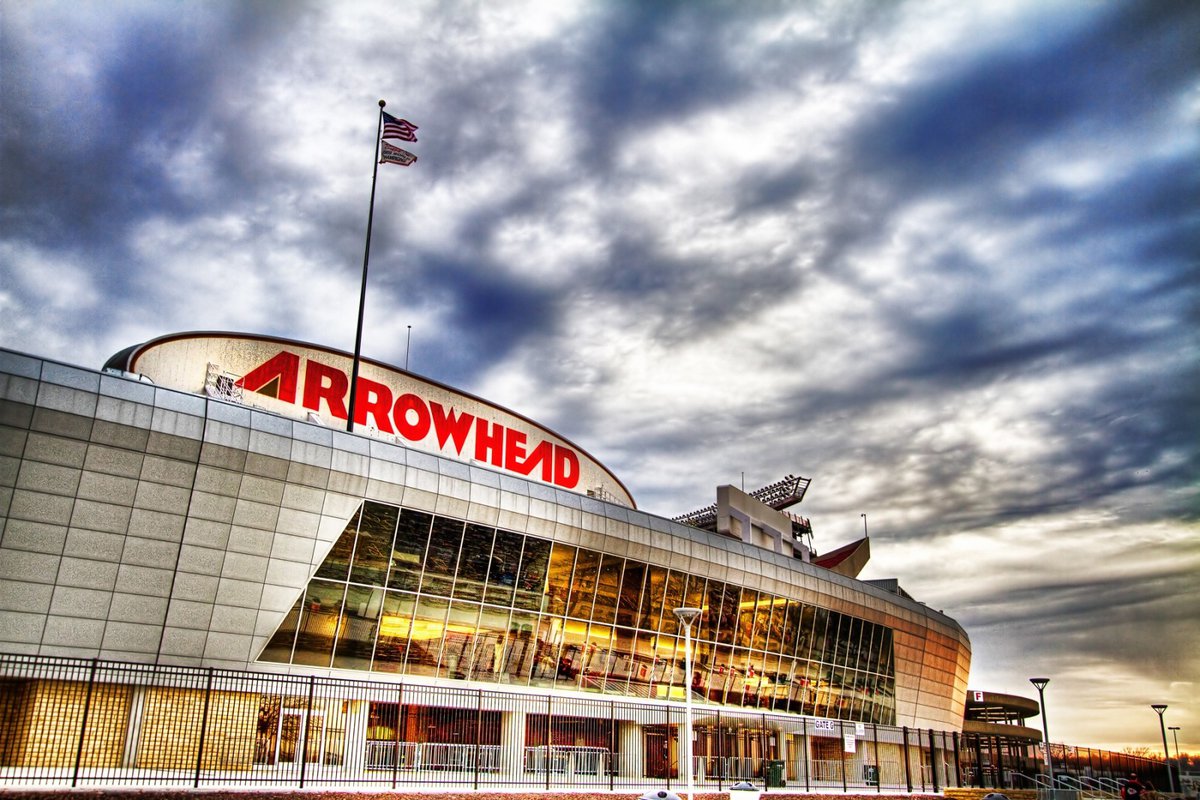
[978, 697]
[311, 383]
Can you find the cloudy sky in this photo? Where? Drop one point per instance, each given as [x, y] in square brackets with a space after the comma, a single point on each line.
[943, 258]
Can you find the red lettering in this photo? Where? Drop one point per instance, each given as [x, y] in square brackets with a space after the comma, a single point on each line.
[450, 426]
[274, 378]
[489, 445]
[514, 451]
[326, 383]
[539, 457]
[374, 399]
[566, 467]
[412, 429]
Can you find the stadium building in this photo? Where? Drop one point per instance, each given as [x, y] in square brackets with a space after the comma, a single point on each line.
[206, 579]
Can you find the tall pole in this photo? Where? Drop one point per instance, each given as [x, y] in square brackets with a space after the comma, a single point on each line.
[362, 292]
[686, 617]
[1174, 729]
[864, 516]
[1040, 683]
[1160, 708]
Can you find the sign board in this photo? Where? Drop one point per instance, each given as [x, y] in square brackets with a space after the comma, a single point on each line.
[849, 743]
[978, 697]
[312, 383]
[824, 725]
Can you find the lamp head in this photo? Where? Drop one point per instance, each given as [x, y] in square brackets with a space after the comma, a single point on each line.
[1159, 707]
[687, 616]
[1040, 683]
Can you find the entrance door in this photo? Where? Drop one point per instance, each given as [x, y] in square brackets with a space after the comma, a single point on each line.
[660, 742]
[292, 725]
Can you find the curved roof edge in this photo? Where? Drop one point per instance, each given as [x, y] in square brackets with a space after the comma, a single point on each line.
[126, 360]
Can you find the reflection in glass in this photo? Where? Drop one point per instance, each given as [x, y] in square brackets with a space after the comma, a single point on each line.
[356, 634]
[473, 562]
[583, 585]
[318, 623]
[532, 584]
[395, 626]
[607, 625]
[503, 568]
[408, 551]
[337, 564]
[558, 581]
[373, 551]
[608, 587]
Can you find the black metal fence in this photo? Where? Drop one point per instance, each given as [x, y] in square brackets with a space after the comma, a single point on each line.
[70, 722]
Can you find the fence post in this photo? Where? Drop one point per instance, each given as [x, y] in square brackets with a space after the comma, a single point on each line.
[842, 735]
[312, 682]
[612, 743]
[396, 735]
[87, 707]
[878, 765]
[478, 735]
[549, 736]
[907, 761]
[203, 727]
[807, 762]
[957, 762]
[933, 770]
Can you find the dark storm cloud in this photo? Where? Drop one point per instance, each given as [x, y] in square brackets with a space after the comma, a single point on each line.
[1100, 618]
[974, 121]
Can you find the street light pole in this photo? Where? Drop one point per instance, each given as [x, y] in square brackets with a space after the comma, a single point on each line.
[686, 617]
[1040, 683]
[1174, 729]
[1160, 708]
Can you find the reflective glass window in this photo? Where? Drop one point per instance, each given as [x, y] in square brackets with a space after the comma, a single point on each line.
[652, 598]
[631, 593]
[395, 626]
[532, 588]
[425, 639]
[776, 623]
[790, 627]
[558, 580]
[504, 567]
[408, 551]
[487, 659]
[728, 619]
[336, 565]
[318, 622]
[356, 634]
[280, 647]
[473, 561]
[522, 646]
[373, 551]
[583, 584]
[445, 540]
[608, 588]
[820, 625]
[672, 600]
[745, 618]
[457, 643]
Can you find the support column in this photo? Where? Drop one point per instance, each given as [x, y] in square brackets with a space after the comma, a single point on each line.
[354, 756]
[512, 745]
[633, 750]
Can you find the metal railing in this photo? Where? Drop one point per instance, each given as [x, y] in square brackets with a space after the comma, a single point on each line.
[72, 722]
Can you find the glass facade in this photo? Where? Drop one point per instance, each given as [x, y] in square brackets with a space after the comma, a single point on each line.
[405, 591]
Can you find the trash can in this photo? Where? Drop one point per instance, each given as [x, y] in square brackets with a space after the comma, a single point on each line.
[743, 791]
[775, 774]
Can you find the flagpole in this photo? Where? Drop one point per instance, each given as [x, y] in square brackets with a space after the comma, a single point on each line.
[362, 294]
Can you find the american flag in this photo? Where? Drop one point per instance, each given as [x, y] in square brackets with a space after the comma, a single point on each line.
[394, 128]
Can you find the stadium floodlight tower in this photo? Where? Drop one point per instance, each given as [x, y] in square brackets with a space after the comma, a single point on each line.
[686, 617]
